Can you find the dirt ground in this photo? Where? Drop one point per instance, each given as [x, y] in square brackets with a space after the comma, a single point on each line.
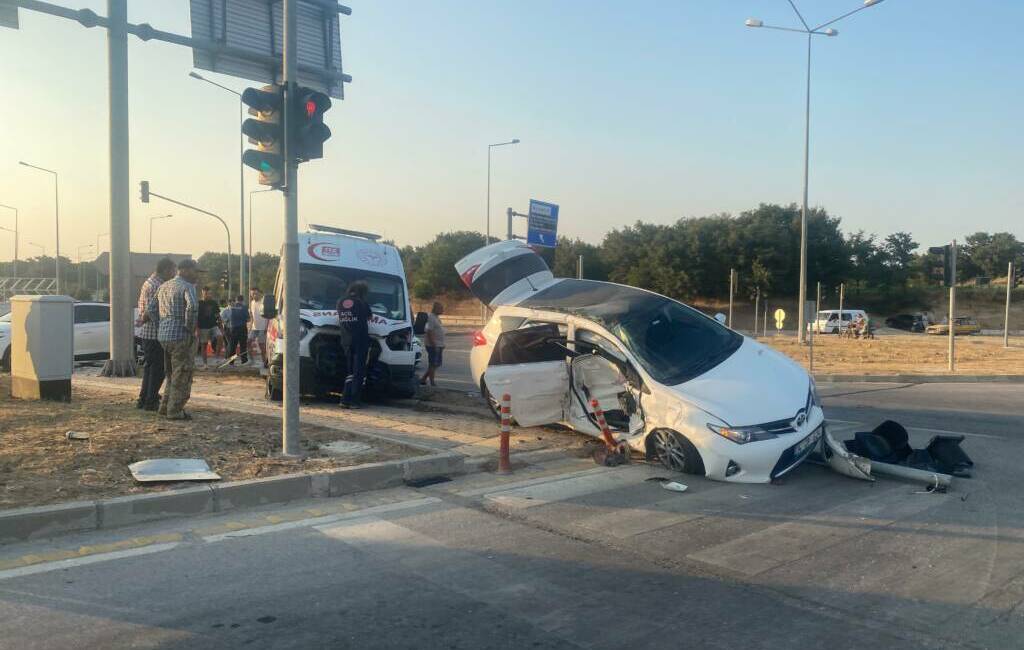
[38, 465]
[906, 354]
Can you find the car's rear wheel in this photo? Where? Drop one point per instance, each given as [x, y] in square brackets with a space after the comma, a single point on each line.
[674, 451]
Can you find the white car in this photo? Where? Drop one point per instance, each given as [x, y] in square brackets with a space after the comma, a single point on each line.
[672, 383]
[828, 321]
[92, 333]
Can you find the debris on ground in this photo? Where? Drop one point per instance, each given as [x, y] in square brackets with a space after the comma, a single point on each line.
[886, 450]
[76, 435]
[674, 486]
[162, 470]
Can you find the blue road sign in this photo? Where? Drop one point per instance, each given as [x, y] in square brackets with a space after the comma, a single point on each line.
[543, 224]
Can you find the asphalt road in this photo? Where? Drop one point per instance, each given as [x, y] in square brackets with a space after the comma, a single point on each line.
[570, 555]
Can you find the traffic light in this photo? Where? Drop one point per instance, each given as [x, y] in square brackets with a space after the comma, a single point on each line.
[144, 191]
[947, 262]
[310, 132]
[266, 131]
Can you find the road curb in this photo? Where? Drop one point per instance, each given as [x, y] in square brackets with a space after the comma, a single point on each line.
[921, 379]
[24, 524]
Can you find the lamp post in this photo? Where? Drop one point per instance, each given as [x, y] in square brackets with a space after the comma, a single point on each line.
[14, 269]
[243, 268]
[56, 214]
[248, 288]
[489, 147]
[821, 30]
[151, 220]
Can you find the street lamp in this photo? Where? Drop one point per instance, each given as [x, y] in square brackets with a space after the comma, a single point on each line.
[14, 270]
[489, 147]
[248, 288]
[243, 268]
[151, 220]
[821, 30]
[56, 213]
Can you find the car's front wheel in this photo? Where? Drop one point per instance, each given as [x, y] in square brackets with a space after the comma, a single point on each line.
[674, 451]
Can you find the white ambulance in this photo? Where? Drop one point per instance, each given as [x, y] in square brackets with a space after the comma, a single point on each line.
[329, 260]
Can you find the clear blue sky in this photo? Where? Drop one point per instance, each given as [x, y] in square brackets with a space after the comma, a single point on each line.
[648, 110]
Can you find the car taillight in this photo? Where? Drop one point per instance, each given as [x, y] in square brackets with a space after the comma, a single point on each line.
[479, 339]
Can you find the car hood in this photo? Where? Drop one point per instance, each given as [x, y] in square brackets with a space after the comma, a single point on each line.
[379, 325]
[756, 384]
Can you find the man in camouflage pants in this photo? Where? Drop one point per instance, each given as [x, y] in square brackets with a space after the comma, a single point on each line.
[175, 309]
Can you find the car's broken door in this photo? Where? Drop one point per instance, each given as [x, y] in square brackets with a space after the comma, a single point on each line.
[529, 365]
[599, 370]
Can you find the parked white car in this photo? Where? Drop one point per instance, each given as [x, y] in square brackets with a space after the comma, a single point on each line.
[673, 383]
[829, 322]
[92, 333]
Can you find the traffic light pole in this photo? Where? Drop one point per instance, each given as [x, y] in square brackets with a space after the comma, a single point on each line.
[952, 308]
[122, 332]
[290, 421]
[1006, 317]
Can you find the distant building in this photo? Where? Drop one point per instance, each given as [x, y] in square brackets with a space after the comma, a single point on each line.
[142, 265]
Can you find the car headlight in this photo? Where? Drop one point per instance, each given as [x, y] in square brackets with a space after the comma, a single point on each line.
[741, 435]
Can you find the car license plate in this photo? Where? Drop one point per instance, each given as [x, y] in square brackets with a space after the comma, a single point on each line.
[808, 442]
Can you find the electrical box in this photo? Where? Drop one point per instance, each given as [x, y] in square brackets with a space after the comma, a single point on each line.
[42, 347]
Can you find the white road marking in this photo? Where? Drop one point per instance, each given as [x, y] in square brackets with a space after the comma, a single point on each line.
[326, 519]
[89, 559]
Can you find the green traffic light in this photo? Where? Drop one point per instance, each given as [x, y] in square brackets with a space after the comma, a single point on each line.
[265, 166]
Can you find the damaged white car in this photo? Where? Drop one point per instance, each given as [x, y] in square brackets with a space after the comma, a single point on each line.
[672, 383]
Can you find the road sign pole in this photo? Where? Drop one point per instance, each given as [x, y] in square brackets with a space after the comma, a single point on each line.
[290, 421]
[842, 290]
[508, 230]
[122, 348]
[757, 307]
[732, 289]
[579, 268]
[952, 310]
[1006, 317]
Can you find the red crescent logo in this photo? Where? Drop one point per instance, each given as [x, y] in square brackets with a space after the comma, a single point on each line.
[324, 251]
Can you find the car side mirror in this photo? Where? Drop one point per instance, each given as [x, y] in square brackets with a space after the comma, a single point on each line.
[269, 306]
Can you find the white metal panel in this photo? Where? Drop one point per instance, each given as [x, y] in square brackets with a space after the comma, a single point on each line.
[539, 391]
[257, 27]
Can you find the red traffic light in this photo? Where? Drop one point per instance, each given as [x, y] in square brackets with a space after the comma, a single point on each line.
[310, 108]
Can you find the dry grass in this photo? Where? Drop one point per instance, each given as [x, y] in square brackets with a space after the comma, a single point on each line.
[906, 354]
[38, 465]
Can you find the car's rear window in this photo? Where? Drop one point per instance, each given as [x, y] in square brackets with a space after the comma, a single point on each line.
[506, 273]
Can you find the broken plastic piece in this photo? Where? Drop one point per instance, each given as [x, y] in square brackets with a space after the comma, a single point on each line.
[674, 486]
[172, 469]
[76, 435]
[844, 462]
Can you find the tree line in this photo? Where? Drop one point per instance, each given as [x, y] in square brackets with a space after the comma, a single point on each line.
[691, 258]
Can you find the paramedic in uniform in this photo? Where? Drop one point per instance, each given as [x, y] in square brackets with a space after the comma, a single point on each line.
[354, 318]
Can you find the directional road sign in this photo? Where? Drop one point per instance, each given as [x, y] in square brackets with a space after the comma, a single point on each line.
[543, 224]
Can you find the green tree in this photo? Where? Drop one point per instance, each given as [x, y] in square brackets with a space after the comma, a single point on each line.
[567, 255]
[988, 254]
[435, 263]
[897, 254]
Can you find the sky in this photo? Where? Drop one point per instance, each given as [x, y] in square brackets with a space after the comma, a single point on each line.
[648, 110]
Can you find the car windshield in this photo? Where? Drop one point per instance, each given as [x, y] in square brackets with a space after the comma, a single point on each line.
[674, 343]
[321, 286]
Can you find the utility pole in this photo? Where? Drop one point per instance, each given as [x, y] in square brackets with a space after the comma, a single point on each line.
[757, 307]
[817, 306]
[952, 309]
[122, 332]
[290, 421]
[732, 289]
[1006, 317]
[579, 268]
[842, 290]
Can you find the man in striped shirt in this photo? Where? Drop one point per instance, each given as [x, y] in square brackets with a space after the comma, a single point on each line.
[175, 310]
[153, 353]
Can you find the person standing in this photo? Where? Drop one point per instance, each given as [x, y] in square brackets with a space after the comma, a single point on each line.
[258, 328]
[354, 318]
[435, 335]
[176, 311]
[209, 313]
[153, 354]
[238, 316]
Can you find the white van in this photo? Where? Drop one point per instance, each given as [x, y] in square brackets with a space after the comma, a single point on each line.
[828, 321]
[329, 260]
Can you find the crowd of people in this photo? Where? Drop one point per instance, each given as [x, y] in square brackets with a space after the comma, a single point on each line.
[176, 326]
